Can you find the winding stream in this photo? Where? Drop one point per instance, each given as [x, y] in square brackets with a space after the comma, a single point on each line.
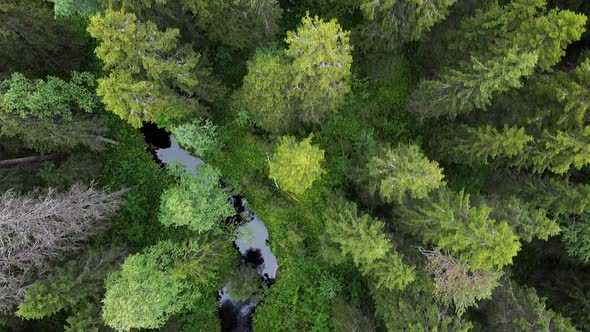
[251, 235]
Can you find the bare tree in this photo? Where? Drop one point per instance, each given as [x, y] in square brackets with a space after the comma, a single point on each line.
[40, 227]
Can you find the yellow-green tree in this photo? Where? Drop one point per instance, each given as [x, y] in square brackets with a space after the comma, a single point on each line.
[296, 166]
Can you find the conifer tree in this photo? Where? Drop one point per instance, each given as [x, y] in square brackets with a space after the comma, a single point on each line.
[392, 23]
[448, 220]
[296, 166]
[363, 238]
[576, 237]
[474, 146]
[265, 91]
[321, 62]
[402, 170]
[146, 67]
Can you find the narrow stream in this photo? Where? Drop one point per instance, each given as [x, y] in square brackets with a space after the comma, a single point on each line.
[251, 235]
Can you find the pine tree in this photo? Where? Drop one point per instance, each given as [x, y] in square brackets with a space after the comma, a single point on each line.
[363, 238]
[473, 146]
[404, 169]
[296, 166]
[265, 91]
[559, 151]
[448, 220]
[321, 61]
[472, 88]
[391, 23]
[147, 68]
[576, 237]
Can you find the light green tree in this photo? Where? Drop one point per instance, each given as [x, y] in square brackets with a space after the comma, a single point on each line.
[198, 201]
[72, 8]
[321, 62]
[475, 146]
[393, 22]
[460, 91]
[404, 169]
[296, 166]
[147, 68]
[562, 150]
[364, 239]
[200, 135]
[161, 281]
[448, 220]
[265, 91]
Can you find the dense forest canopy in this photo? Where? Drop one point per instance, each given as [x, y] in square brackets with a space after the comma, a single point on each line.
[294, 165]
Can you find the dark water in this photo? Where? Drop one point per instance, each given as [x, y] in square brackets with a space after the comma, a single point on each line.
[251, 235]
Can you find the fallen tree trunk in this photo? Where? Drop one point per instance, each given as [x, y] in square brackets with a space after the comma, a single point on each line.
[16, 161]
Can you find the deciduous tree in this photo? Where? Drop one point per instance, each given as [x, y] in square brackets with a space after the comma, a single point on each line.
[296, 166]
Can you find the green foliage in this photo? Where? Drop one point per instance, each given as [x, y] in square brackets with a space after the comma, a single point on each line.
[299, 300]
[295, 166]
[476, 146]
[372, 251]
[391, 23]
[197, 202]
[243, 284]
[404, 169]
[560, 151]
[147, 66]
[447, 219]
[36, 44]
[51, 98]
[527, 221]
[414, 309]
[69, 284]
[201, 136]
[471, 88]
[576, 237]
[246, 23]
[265, 91]
[163, 280]
[554, 195]
[50, 115]
[348, 318]
[514, 308]
[322, 60]
[72, 8]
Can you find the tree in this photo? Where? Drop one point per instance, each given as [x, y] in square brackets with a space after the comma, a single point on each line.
[247, 23]
[197, 202]
[475, 146]
[576, 237]
[448, 220]
[41, 227]
[321, 61]
[163, 280]
[36, 44]
[52, 114]
[72, 8]
[391, 23]
[559, 151]
[201, 136]
[456, 284]
[244, 284]
[68, 285]
[349, 318]
[404, 169]
[465, 90]
[265, 91]
[414, 309]
[147, 67]
[296, 166]
[363, 238]
[527, 221]
[513, 308]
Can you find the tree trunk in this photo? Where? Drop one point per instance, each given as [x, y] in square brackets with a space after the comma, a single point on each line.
[9, 162]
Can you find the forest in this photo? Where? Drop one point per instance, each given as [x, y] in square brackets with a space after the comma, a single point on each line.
[294, 165]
